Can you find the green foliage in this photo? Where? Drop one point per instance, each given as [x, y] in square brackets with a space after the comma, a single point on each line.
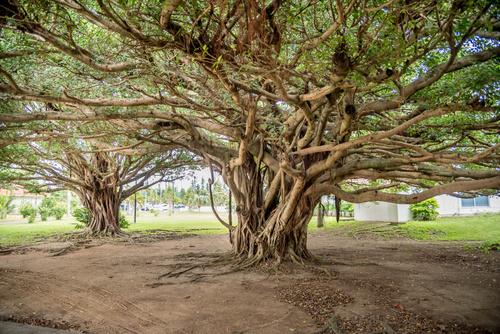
[425, 210]
[32, 216]
[58, 212]
[82, 216]
[28, 211]
[5, 206]
[44, 212]
[347, 207]
[50, 207]
[122, 221]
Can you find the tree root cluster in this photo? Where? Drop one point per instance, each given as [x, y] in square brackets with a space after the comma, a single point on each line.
[196, 267]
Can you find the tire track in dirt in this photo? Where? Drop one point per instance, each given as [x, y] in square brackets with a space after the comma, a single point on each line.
[86, 302]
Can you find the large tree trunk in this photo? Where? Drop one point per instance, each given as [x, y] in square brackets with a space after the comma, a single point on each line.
[103, 205]
[269, 229]
[256, 238]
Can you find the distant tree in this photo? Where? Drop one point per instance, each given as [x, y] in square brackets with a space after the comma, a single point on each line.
[220, 194]
[102, 177]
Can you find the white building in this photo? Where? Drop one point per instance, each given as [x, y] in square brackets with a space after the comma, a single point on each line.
[20, 197]
[448, 206]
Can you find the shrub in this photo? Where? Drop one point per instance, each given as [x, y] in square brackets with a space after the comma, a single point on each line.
[46, 208]
[32, 216]
[44, 212]
[26, 210]
[122, 221]
[82, 216]
[347, 207]
[5, 206]
[425, 210]
[58, 212]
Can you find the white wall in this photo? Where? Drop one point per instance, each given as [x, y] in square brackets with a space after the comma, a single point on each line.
[404, 213]
[381, 211]
[18, 201]
[448, 205]
[390, 212]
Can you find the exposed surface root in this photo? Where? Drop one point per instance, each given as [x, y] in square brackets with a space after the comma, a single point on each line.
[197, 267]
[10, 250]
[73, 241]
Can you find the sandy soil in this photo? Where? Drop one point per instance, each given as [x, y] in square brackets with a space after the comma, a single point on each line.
[363, 286]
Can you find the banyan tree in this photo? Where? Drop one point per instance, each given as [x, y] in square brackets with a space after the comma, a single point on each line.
[368, 100]
[101, 169]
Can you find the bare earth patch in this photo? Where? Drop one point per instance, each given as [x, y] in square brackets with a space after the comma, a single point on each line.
[174, 285]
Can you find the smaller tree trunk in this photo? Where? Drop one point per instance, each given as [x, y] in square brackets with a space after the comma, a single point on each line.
[103, 205]
[321, 214]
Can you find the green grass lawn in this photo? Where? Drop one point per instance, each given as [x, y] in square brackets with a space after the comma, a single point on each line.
[24, 233]
[18, 234]
[482, 228]
[183, 222]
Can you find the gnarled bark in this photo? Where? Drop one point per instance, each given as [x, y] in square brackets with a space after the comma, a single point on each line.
[257, 238]
[276, 231]
[103, 205]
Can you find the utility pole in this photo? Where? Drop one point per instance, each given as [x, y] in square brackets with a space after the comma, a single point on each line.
[172, 198]
[68, 203]
[135, 208]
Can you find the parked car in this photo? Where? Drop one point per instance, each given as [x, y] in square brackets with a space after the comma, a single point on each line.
[161, 207]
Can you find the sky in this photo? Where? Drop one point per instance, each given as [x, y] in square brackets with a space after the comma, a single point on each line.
[185, 182]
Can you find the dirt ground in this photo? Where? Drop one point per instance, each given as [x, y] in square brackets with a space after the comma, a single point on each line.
[175, 285]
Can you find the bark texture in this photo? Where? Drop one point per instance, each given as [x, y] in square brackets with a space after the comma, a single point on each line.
[271, 227]
[99, 191]
[103, 205]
